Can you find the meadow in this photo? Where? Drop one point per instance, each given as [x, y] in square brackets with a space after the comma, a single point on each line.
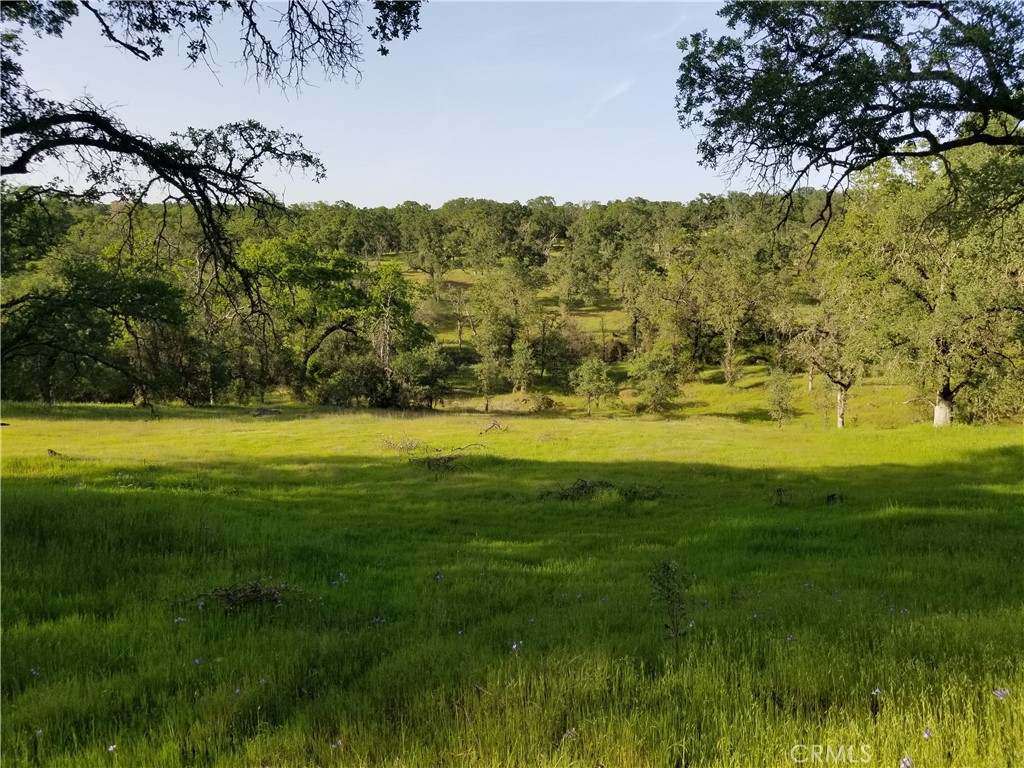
[859, 590]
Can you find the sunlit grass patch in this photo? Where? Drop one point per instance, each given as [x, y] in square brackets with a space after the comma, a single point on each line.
[473, 618]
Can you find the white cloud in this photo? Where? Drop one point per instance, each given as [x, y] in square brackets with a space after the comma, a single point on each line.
[609, 95]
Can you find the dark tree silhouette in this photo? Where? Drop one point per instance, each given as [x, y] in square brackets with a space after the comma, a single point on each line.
[213, 170]
[805, 88]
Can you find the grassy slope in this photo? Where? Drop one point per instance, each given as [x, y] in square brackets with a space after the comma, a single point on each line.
[914, 585]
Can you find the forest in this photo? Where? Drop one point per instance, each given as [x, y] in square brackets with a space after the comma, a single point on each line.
[403, 307]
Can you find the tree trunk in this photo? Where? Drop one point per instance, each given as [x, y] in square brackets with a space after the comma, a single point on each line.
[943, 413]
[727, 368]
[810, 379]
[840, 407]
[588, 406]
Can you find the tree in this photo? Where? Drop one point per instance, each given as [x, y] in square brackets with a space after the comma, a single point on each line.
[943, 293]
[213, 170]
[83, 317]
[655, 377]
[311, 296]
[839, 86]
[832, 333]
[825, 345]
[780, 395]
[504, 303]
[591, 380]
[490, 375]
[389, 315]
[421, 374]
[521, 366]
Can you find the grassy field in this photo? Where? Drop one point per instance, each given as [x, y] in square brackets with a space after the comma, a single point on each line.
[859, 590]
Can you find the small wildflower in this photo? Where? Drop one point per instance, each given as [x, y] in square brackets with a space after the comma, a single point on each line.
[1001, 693]
[579, 597]
[906, 762]
[202, 604]
[603, 600]
[808, 585]
[533, 621]
[876, 692]
[197, 661]
[337, 744]
[39, 732]
[179, 620]
[927, 733]
[263, 681]
[789, 638]
[438, 576]
[692, 625]
[517, 645]
[343, 578]
[334, 583]
[571, 734]
[378, 620]
[112, 747]
[238, 691]
[34, 672]
[904, 610]
[462, 631]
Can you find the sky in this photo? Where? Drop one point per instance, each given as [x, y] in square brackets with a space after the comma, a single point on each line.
[506, 101]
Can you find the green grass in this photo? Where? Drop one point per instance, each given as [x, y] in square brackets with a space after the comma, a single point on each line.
[912, 584]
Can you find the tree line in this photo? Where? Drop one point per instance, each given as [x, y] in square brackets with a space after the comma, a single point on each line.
[344, 305]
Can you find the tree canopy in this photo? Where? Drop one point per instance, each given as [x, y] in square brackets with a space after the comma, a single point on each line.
[209, 169]
[809, 88]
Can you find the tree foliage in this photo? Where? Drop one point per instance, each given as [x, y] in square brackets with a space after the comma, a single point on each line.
[808, 87]
[102, 306]
[212, 170]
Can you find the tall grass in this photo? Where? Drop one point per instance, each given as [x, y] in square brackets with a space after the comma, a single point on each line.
[465, 617]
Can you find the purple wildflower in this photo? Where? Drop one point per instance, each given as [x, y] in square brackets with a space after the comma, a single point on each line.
[1001, 693]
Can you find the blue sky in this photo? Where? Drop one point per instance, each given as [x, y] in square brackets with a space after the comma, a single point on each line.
[506, 101]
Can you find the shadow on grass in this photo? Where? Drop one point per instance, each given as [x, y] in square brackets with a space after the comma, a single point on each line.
[480, 549]
[753, 415]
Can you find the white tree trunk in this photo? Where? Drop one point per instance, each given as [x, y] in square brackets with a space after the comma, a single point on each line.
[840, 407]
[943, 414]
